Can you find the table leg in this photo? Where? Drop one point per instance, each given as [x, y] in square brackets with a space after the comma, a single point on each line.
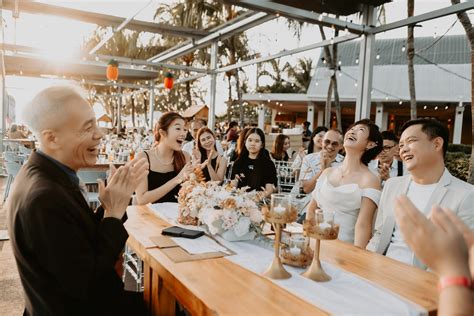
[162, 301]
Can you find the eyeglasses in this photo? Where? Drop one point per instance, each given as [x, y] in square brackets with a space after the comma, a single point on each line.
[387, 148]
[327, 142]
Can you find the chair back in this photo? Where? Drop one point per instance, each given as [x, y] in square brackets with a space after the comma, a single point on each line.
[287, 175]
[91, 176]
[24, 150]
[13, 167]
[12, 156]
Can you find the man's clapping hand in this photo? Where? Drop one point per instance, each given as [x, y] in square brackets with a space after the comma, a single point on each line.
[121, 184]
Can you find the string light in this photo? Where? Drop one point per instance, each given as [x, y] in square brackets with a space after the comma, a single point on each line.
[446, 107]
[425, 107]
[403, 48]
[357, 60]
[436, 107]
[355, 84]
[340, 62]
[378, 56]
[400, 102]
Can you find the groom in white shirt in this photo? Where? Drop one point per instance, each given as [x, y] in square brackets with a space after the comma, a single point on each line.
[423, 146]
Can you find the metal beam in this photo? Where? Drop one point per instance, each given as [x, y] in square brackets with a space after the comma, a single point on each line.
[131, 61]
[111, 34]
[237, 25]
[336, 40]
[103, 19]
[110, 84]
[453, 9]
[183, 80]
[212, 104]
[149, 63]
[301, 15]
[366, 67]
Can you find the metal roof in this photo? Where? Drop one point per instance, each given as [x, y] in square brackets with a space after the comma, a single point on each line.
[453, 49]
[338, 7]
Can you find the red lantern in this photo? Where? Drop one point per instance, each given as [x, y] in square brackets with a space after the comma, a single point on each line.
[169, 81]
[112, 70]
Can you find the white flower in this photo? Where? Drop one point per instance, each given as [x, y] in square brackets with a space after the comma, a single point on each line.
[242, 226]
[256, 216]
[229, 219]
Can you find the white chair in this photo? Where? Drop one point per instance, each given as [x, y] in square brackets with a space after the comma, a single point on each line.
[89, 178]
[287, 175]
[13, 167]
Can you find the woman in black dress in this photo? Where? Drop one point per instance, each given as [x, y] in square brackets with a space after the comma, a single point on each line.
[254, 168]
[169, 166]
[212, 164]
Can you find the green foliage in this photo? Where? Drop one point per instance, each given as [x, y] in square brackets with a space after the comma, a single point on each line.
[458, 164]
[460, 148]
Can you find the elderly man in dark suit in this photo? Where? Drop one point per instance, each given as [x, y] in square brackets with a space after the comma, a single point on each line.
[66, 251]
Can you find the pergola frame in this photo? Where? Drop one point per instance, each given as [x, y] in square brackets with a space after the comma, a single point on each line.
[240, 24]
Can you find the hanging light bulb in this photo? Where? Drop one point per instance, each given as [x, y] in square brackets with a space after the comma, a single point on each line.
[425, 107]
[317, 83]
[400, 102]
[403, 48]
[436, 107]
[355, 84]
[446, 107]
[378, 56]
[340, 62]
[357, 60]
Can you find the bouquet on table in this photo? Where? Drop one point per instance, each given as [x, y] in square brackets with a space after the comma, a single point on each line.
[225, 210]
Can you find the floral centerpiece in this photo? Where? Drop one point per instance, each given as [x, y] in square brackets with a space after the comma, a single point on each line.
[225, 210]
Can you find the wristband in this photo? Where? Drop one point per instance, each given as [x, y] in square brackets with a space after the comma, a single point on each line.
[454, 281]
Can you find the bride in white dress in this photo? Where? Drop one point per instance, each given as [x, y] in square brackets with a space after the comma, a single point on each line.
[351, 190]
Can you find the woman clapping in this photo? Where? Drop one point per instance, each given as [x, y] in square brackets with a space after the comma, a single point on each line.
[206, 156]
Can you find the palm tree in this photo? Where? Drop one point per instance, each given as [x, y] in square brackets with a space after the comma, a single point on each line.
[196, 14]
[410, 57]
[466, 23]
[301, 74]
[123, 44]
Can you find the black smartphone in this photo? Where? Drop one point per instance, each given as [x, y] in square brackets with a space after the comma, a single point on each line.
[176, 231]
[192, 234]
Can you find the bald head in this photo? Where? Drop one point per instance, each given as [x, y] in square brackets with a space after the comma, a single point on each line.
[49, 108]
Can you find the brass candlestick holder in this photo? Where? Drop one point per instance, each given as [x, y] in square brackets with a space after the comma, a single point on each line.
[280, 212]
[322, 227]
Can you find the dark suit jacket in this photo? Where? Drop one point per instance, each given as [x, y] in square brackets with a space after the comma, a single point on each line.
[64, 250]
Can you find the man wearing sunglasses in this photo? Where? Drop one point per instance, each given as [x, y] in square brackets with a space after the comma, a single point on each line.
[386, 166]
[314, 164]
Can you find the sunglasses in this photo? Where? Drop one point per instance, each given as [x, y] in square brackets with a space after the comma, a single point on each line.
[327, 142]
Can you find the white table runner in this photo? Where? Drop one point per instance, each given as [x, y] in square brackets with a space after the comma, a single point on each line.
[345, 294]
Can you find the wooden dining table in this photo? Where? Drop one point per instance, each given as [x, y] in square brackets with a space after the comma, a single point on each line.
[220, 287]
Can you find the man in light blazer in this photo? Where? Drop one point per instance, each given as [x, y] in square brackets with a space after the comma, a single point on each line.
[423, 145]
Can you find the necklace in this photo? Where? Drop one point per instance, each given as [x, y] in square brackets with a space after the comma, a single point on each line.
[161, 160]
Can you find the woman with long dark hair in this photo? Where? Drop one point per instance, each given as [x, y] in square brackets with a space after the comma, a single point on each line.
[315, 145]
[254, 168]
[280, 147]
[169, 165]
[351, 190]
[212, 164]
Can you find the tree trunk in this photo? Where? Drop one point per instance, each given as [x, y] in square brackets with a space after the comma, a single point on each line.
[146, 111]
[188, 94]
[410, 57]
[337, 104]
[327, 112]
[133, 112]
[229, 100]
[239, 97]
[334, 78]
[466, 23]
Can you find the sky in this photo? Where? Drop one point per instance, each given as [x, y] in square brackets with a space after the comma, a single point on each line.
[60, 38]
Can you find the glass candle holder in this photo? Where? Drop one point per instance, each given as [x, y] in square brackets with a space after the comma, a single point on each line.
[325, 226]
[280, 203]
[298, 244]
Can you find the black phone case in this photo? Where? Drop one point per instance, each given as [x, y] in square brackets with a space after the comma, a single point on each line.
[192, 234]
[176, 231]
